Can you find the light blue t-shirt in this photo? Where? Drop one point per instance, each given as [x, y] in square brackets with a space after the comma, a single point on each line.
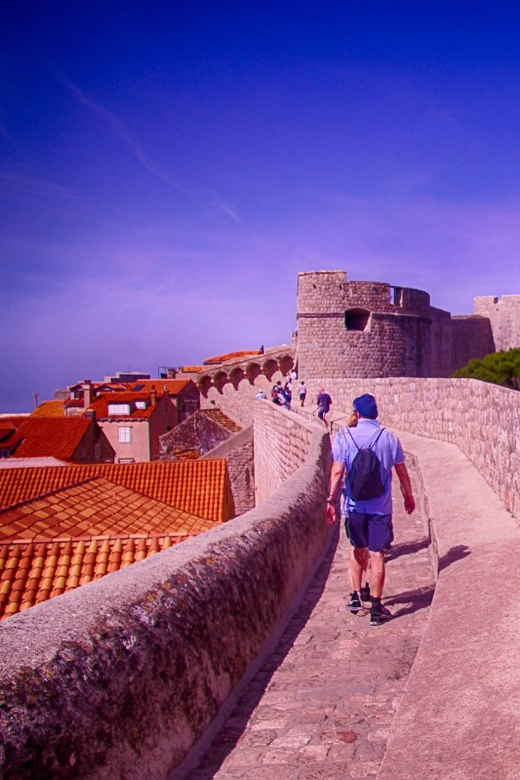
[387, 448]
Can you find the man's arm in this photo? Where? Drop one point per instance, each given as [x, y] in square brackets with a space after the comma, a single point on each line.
[336, 476]
[406, 486]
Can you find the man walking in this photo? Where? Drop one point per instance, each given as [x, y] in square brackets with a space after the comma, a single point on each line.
[324, 402]
[366, 458]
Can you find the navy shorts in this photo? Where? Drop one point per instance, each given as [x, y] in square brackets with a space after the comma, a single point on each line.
[321, 413]
[373, 531]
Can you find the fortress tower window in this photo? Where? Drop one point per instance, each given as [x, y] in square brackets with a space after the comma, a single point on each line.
[396, 296]
[356, 319]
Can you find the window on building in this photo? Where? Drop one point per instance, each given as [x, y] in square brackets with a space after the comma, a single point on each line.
[119, 409]
[140, 404]
[356, 319]
[125, 435]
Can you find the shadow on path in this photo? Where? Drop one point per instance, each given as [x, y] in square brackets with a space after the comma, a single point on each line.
[226, 740]
[421, 598]
[407, 548]
[456, 553]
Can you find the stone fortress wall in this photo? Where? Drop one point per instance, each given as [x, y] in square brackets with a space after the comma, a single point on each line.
[350, 328]
[503, 315]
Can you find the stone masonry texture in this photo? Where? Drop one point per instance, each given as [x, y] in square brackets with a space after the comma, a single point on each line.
[371, 329]
[322, 704]
[121, 677]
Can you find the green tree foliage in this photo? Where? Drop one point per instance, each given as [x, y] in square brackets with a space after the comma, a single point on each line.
[500, 368]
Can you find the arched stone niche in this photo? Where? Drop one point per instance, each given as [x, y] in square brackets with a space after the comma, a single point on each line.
[356, 319]
[253, 370]
[236, 376]
[286, 364]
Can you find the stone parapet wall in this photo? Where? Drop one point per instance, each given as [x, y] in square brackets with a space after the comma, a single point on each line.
[281, 444]
[480, 418]
[121, 677]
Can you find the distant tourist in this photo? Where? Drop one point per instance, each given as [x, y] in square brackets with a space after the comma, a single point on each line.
[302, 393]
[324, 402]
[293, 375]
[277, 395]
[364, 461]
[260, 395]
[287, 393]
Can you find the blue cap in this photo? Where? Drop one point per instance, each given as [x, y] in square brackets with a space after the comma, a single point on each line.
[366, 406]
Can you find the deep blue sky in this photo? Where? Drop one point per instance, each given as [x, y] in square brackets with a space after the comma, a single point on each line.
[168, 167]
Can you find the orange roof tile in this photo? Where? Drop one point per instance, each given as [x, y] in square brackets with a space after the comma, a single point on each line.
[222, 419]
[192, 369]
[13, 420]
[31, 573]
[92, 508]
[51, 437]
[232, 356]
[101, 403]
[200, 487]
[171, 386]
[50, 409]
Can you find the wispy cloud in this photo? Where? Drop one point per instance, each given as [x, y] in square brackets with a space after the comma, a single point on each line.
[25, 189]
[116, 124]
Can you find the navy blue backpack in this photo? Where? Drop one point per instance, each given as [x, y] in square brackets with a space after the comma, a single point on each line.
[364, 476]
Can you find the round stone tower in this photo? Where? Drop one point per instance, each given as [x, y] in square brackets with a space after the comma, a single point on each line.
[368, 329]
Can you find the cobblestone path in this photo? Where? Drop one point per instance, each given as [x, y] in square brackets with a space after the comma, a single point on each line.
[321, 706]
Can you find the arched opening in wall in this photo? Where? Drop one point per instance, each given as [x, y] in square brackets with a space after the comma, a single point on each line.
[270, 366]
[204, 384]
[219, 380]
[286, 364]
[356, 319]
[252, 371]
[236, 376]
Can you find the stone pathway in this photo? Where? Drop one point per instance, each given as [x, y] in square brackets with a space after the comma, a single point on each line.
[322, 704]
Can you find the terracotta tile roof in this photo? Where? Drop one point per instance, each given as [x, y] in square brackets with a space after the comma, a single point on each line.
[50, 409]
[94, 507]
[101, 403]
[33, 572]
[13, 420]
[200, 487]
[30, 463]
[171, 386]
[188, 454]
[222, 419]
[192, 369]
[51, 437]
[231, 356]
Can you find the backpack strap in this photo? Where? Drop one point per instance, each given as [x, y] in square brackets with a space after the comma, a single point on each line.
[375, 440]
[353, 439]
[372, 443]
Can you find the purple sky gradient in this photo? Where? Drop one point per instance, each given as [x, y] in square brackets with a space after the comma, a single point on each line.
[168, 168]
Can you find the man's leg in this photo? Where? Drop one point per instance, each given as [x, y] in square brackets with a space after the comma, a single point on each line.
[381, 535]
[357, 565]
[356, 528]
[377, 573]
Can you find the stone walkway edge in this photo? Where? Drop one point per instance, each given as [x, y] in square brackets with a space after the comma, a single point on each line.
[321, 704]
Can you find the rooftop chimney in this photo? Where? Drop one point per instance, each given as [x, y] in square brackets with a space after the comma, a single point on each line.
[86, 386]
[153, 396]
